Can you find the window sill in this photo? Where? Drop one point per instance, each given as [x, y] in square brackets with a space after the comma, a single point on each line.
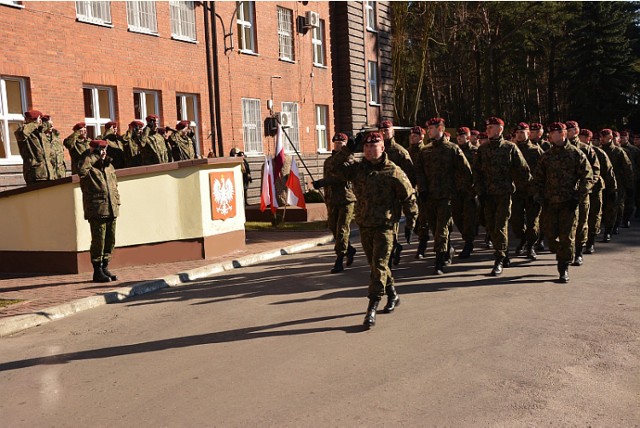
[184, 39]
[245, 52]
[290, 61]
[254, 154]
[17, 6]
[99, 24]
[13, 160]
[316, 65]
[323, 152]
[142, 31]
[371, 103]
[372, 30]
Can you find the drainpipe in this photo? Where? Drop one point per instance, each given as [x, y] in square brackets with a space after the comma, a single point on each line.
[216, 79]
[212, 107]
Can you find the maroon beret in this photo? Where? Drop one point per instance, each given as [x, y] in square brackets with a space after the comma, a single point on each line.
[586, 132]
[435, 121]
[386, 124]
[418, 130]
[475, 132]
[373, 137]
[463, 130]
[98, 143]
[46, 117]
[161, 130]
[606, 131]
[32, 114]
[536, 126]
[616, 134]
[446, 134]
[522, 126]
[483, 136]
[340, 137]
[110, 125]
[182, 124]
[494, 121]
[624, 133]
[78, 126]
[557, 126]
[152, 117]
[572, 124]
[137, 123]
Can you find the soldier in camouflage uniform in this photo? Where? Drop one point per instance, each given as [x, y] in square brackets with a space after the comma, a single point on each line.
[536, 135]
[562, 178]
[153, 148]
[525, 212]
[498, 165]
[77, 143]
[606, 180]
[51, 138]
[132, 141]
[582, 228]
[483, 138]
[624, 179]
[340, 202]
[181, 144]
[382, 191]
[101, 203]
[36, 155]
[633, 153]
[115, 149]
[474, 138]
[464, 204]
[416, 143]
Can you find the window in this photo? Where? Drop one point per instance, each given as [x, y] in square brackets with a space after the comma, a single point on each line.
[141, 16]
[251, 125]
[370, 8]
[292, 131]
[322, 113]
[187, 109]
[318, 45]
[98, 108]
[17, 4]
[285, 33]
[183, 20]
[145, 103]
[94, 12]
[13, 101]
[373, 83]
[246, 27]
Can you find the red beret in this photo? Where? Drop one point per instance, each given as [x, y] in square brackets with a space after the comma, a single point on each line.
[182, 124]
[522, 126]
[386, 124]
[152, 117]
[475, 132]
[373, 137]
[572, 124]
[340, 137]
[624, 133]
[606, 131]
[463, 130]
[161, 130]
[110, 125]
[494, 121]
[79, 126]
[32, 114]
[616, 134]
[46, 117]
[483, 136]
[446, 134]
[557, 126]
[535, 126]
[98, 143]
[137, 123]
[586, 132]
[435, 121]
[418, 130]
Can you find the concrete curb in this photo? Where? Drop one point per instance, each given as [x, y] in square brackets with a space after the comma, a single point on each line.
[15, 324]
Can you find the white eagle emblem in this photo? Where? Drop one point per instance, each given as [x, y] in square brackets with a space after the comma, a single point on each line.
[223, 195]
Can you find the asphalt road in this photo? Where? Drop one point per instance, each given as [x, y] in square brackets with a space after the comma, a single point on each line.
[281, 344]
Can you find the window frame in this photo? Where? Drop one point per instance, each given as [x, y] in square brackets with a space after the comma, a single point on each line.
[370, 11]
[322, 109]
[136, 14]
[177, 20]
[283, 34]
[6, 118]
[251, 23]
[195, 123]
[98, 122]
[92, 19]
[294, 137]
[143, 108]
[373, 82]
[253, 148]
[10, 3]
[319, 42]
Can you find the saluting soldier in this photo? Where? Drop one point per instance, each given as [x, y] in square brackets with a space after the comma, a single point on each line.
[464, 204]
[36, 156]
[537, 133]
[416, 143]
[383, 190]
[562, 178]
[181, 144]
[51, 138]
[77, 143]
[498, 165]
[115, 149]
[132, 141]
[153, 147]
[633, 153]
[340, 201]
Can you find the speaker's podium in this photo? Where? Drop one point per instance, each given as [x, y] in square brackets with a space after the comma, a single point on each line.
[177, 211]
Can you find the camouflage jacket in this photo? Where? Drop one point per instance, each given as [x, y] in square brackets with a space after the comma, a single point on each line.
[36, 155]
[131, 146]
[607, 178]
[443, 171]
[414, 152]
[337, 191]
[499, 168]
[633, 153]
[621, 165]
[400, 156]
[99, 186]
[77, 145]
[115, 149]
[531, 153]
[563, 174]
[382, 190]
[52, 139]
[469, 152]
[542, 143]
[592, 157]
[182, 147]
[153, 148]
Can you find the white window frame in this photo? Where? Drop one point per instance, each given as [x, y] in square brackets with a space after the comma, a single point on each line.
[246, 22]
[143, 104]
[285, 34]
[195, 124]
[370, 12]
[98, 121]
[294, 130]
[252, 123]
[374, 88]
[183, 21]
[16, 4]
[322, 117]
[86, 13]
[317, 39]
[142, 17]
[6, 117]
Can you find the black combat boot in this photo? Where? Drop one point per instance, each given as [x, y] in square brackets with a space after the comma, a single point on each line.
[98, 274]
[337, 266]
[506, 262]
[520, 247]
[105, 269]
[392, 299]
[616, 227]
[351, 252]
[439, 267]
[606, 237]
[396, 254]
[466, 251]
[540, 244]
[531, 252]
[577, 259]
[497, 267]
[487, 241]
[370, 317]
[563, 270]
[422, 247]
[590, 247]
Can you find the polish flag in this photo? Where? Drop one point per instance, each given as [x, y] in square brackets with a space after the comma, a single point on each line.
[278, 160]
[295, 196]
[267, 193]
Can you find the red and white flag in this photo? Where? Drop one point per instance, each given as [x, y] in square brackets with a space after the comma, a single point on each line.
[295, 195]
[278, 160]
[268, 193]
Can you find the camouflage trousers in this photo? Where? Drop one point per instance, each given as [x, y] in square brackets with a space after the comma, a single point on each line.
[465, 216]
[582, 227]
[103, 238]
[439, 218]
[339, 219]
[377, 243]
[422, 225]
[525, 218]
[609, 209]
[595, 212]
[623, 196]
[560, 223]
[497, 211]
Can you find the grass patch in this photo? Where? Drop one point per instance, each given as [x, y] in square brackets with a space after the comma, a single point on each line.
[293, 226]
[6, 302]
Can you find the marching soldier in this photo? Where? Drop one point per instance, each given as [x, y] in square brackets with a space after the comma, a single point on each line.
[483, 138]
[474, 138]
[51, 138]
[77, 143]
[416, 138]
[132, 143]
[537, 133]
[340, 202]
[562, 178]
[115, 149]
[36, 156]
[498, 164]
[153, 147]
[633, 153]
[381, 188]
[181, 144]
[464, 204]
[624, 178]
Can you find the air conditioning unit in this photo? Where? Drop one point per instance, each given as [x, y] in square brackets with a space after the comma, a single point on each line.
[312, 19]
[284, 118]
